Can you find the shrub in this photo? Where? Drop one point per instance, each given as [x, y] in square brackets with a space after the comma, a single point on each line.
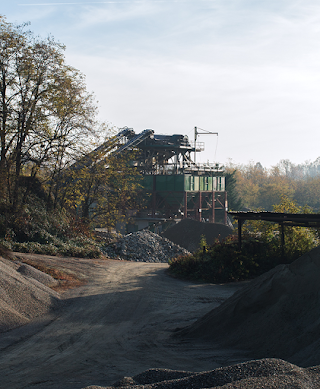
[41, 231]
[223, 262]
[261, 251]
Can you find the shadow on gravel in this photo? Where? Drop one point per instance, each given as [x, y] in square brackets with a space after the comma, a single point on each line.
[114, 328]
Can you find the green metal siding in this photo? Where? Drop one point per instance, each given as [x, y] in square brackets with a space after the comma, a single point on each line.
[148, 183]
[170, 183]
[173, 198]
[161, 183]
[179, 182]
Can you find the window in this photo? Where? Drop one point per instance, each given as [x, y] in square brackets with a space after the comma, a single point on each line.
[192, 183]
[206, 183]
[219, 184]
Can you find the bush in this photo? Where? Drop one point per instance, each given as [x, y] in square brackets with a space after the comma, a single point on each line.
[223, 262]
[261, 251]
[41, 231]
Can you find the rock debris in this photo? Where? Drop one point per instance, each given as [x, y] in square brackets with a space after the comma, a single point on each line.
[276, 314]
[144, 246]
[268, 373]
[187, 233]
[23, 295]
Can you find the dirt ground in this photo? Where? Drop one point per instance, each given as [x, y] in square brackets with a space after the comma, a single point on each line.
[116, 324]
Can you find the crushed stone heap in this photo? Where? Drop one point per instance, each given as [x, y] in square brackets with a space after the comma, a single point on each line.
[24, 294]
[265, 373]
[187, 233]
[144, 246]
[275, 315]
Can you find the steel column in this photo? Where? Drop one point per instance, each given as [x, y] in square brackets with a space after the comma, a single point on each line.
[200, 207]
[225, 208]
[240, 221]
[154, 196]
[213, 206]
[185, 205]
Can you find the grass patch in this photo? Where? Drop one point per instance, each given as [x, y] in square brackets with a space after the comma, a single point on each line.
[66, 279]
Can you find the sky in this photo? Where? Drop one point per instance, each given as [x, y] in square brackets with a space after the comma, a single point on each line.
[249, 70]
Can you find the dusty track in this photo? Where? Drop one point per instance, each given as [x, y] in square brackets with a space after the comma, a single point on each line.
[118, 324]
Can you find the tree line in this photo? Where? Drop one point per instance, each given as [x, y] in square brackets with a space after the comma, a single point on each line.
[254, 187]
[48, 121]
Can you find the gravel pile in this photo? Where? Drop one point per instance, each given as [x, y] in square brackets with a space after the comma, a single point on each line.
[22, 298]
[264, 373]
[275, 315]
[187, 233]
[144, 246]
[31, 272]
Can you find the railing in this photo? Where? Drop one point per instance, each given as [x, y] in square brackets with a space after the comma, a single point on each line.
[199, 146]
[173, 168]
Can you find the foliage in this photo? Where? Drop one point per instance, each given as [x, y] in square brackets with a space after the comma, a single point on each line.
[298, 240]
[203, 243]
[102, 190]
[46, 112]
[258, 187]
[47, 129]
[261, 250]
[40, 231]
[223, 262]
[234, 200]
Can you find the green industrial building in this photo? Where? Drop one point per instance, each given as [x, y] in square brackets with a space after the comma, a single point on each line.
[174, 185]
[186, 195]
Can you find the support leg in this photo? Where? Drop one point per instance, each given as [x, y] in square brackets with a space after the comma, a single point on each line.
[213, 206]
[239, 234]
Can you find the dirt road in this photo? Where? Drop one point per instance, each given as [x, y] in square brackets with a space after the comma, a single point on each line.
[118, 324]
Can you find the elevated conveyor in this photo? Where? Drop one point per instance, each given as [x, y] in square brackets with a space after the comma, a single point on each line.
[135, 141]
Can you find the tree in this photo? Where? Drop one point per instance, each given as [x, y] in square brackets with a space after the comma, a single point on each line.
[298, 240]
[45, 110]
[246, 189]
[272, 190]
[261, 188]
[248, 180]
[307, 192]
[234, 200]
[102, 188]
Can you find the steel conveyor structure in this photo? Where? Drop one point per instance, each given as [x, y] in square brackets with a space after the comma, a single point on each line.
[110, 146]
[135, 141]
[174, 185]
[156, 154]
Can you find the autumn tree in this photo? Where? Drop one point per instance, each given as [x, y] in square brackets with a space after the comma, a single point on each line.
[102, 187]
[45, 110]
[234, 200]
[298, 240]
[247, 181]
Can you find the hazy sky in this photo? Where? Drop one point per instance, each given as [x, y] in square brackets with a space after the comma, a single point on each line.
[249, 70]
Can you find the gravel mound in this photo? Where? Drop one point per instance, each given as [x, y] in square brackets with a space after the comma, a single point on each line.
[187, 233]
[264, 373]
[38, 275]
[144, 246]
[275, 315]
[22, 298]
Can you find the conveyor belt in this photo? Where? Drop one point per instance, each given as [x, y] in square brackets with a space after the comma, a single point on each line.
[134, 141]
